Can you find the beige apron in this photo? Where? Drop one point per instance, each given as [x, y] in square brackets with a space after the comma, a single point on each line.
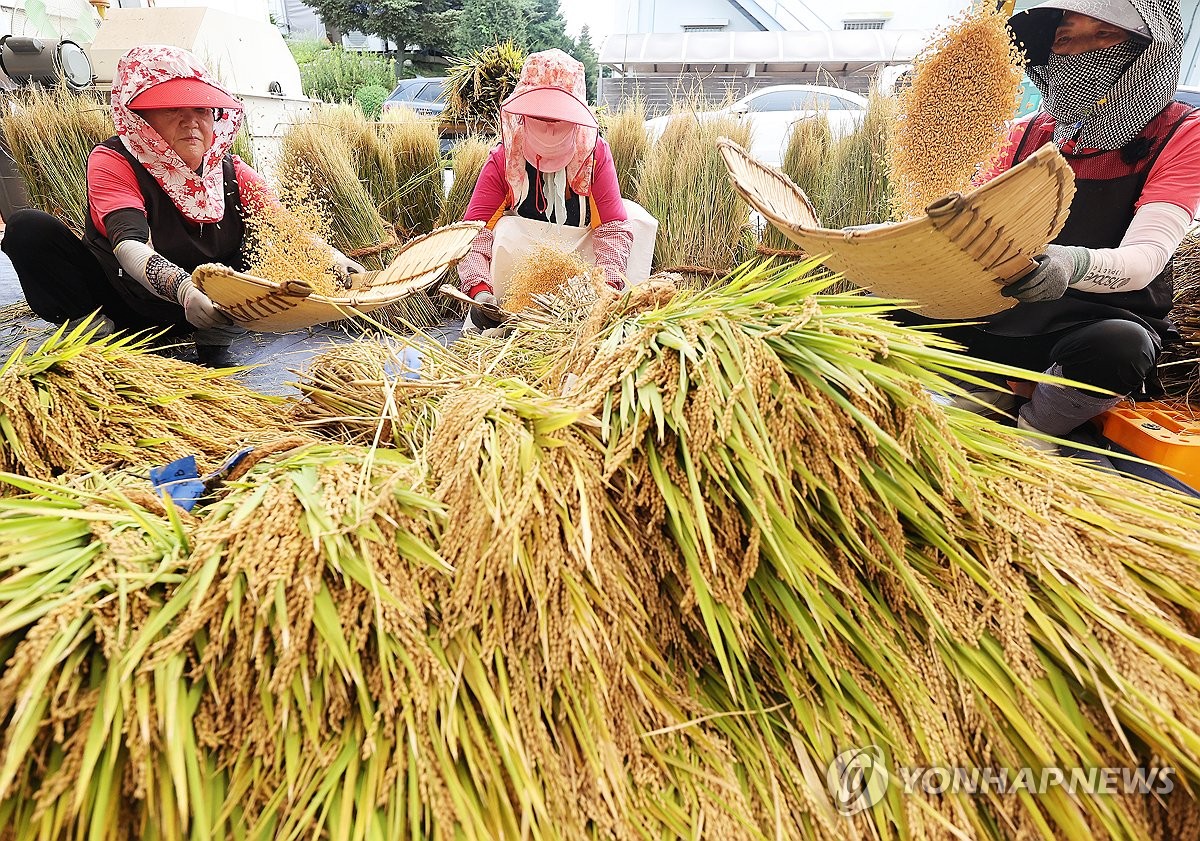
[516, 237]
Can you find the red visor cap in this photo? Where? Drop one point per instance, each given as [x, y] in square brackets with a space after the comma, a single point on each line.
[184, 93]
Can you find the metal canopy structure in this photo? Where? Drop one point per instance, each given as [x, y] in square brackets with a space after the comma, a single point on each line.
[834, 52]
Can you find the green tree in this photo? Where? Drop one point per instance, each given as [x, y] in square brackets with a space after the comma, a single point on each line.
[546, 29]
[485, 23]
[584, 52]
[407, 23]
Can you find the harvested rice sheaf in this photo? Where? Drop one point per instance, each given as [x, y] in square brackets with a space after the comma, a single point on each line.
[371, 391]
[1179, 364]
[952, 118]
[655, 603]
[409, 144]
[72, 406]
[49, 135]
[684, 184]
[629, 141]
[849, 553]
[467, 158]
[321, 157]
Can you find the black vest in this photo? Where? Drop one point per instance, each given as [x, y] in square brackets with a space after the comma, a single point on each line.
[536, 198]
[185, 243]
[1107, 186]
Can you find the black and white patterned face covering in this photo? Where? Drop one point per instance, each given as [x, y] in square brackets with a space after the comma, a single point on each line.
[1104, 98]
[1077, 85]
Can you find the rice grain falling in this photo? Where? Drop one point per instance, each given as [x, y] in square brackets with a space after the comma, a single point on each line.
[282, 243]
[544, 270]
[966, 86]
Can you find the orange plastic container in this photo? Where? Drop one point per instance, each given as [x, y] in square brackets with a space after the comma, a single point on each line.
[1157, 433]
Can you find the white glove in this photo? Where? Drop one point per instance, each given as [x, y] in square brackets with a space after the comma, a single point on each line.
[198, 308]
[487, 315]
[344, 266]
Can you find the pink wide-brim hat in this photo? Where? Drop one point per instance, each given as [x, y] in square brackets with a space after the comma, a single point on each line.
[548, 102]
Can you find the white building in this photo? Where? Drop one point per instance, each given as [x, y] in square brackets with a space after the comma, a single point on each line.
[786, 15]
[730, 47]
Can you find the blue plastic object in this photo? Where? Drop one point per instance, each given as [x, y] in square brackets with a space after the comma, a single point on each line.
[181, 482]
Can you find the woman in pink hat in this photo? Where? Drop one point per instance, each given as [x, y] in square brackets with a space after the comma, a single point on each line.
[164, 196]
[551, 180]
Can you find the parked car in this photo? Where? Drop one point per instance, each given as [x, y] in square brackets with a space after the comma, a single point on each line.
[773, 111]
[425, 96]
[1188, 94]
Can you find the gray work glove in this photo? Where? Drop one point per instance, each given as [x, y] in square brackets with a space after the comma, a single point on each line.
[1054, 273]
[198, 308]
[487, 316]
[344, 266]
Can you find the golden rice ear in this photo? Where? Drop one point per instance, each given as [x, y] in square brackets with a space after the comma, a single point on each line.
[951, 262]
[272, 307]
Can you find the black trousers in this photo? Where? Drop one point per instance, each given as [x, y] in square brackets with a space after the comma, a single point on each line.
[1113, 354]
[62, 279]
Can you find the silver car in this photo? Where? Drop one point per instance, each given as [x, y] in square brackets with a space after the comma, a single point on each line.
[773, 111]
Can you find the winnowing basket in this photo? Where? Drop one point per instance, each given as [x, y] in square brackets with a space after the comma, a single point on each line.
[951, 262]
[276, 307]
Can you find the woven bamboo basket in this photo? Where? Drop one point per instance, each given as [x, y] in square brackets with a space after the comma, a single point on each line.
[270, 307]
[952, 262]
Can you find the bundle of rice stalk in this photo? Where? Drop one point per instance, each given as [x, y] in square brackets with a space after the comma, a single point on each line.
[80, 577]
[546, 608]
[966, 86]
[371, 393]
[74, 406]
[384, 393]
[480, 82]
[311, 154]
[806, 162]
[845, 550]
[684, 185]
[467, 158]
[410, 145]
[626, 134]
[351, 128]
[316, 679]
[1179, 365]
[278, 678]
[397, 160]
[857, 188]
[49, 134]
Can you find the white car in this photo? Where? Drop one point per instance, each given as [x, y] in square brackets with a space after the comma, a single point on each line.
[773, 111]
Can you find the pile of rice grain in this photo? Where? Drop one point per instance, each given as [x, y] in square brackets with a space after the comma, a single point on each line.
[544, 270]
[966, 86]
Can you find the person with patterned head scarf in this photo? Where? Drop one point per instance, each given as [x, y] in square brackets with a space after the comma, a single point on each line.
[551, 167]
[1096, 309]
[164, 195]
